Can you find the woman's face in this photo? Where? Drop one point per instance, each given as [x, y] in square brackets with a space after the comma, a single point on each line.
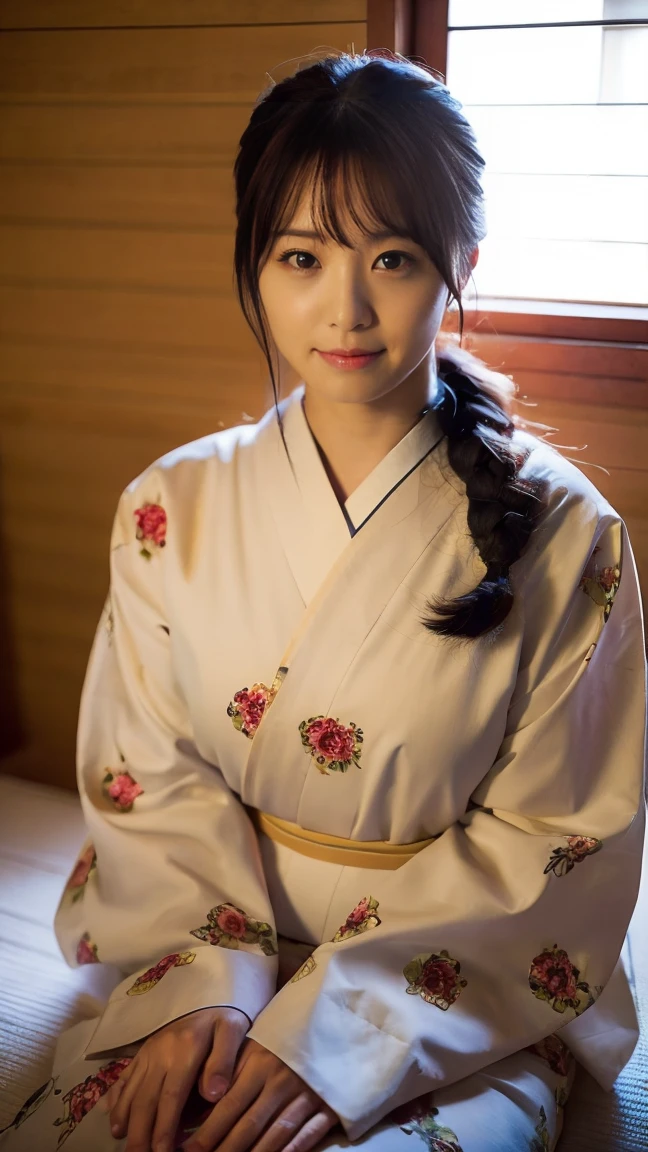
[383, 293]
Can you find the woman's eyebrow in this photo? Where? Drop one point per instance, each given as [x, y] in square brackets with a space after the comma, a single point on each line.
[309, 235]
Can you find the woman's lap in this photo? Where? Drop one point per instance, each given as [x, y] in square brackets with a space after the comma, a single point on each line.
[511, 1106]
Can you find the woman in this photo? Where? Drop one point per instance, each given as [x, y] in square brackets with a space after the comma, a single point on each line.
[361, 741]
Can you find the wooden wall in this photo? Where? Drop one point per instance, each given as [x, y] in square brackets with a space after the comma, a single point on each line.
[120, 334]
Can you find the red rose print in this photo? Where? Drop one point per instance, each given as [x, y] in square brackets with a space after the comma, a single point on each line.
[435, 977]
[601, 585]
[153, 975]
[83, 1097]
[359, 920]
[562, 860]
[553, 977]
[86, 952]
[151, 527]
[232, 922]
[247, 708]
[555, 1052]
[231, 927]
[332, 746]
[81, 871]
[121, 789]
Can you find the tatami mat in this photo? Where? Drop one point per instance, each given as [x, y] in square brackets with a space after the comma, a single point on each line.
[41, 830]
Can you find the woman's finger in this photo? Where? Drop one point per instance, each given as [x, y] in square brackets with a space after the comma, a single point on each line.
[173, 1097]
[312, 1132]
[140, 1086]
[142, 1115]
[227, 1112]
[120, 1104]
[216, 1076]
[287, 1124]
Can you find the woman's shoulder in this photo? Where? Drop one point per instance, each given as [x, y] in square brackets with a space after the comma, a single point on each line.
[566, 485]
[218, 457]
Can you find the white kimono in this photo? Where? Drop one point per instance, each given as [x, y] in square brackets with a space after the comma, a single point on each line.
[520, 755]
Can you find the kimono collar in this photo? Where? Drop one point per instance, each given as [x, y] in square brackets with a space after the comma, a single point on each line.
[382, 481]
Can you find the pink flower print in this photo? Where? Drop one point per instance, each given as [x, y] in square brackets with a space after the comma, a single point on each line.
[359, 920]
[602, 584]
[434, 977]
[231, 927]
[84, 866]
[332, 746]
[247, 708]
[562, 860]
[153, 975]
[555, 1052]
[151, 527]
[121, 789]
[82, 1098]
[86, 952]
[553, 977]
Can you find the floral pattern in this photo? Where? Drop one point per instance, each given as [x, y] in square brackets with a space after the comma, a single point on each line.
[231, 927]
[151, 528]
[419, 1117]
[83, 1097]
[553, 977]
[309, 965]
[86, 864]
[121, 789]
[359, 920]
[248, 706]
[333, 747]
[86, 952]
[601, 585]
[33, 1103]
[555, 1052]
[435, 977]
[540, 1142]
[153, 975]
[562, 860]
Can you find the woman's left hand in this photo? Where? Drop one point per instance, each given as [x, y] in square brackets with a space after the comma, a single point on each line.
[267, 1108]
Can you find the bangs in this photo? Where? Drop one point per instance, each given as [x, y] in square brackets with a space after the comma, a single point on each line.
[347, 188]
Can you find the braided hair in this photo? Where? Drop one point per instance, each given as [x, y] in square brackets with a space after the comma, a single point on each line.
[503, 507]
[393, 127]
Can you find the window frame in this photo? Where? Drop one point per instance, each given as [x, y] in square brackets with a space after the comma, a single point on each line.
[419, 28]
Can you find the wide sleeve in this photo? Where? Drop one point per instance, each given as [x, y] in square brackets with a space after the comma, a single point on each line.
[169, 886]
[511, 922]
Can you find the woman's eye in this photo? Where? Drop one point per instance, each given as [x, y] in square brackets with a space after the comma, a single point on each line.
[286, 257]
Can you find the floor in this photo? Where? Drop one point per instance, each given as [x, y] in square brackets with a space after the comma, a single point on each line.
[41, 830]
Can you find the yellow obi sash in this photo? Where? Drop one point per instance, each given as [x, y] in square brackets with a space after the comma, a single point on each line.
[336, 849]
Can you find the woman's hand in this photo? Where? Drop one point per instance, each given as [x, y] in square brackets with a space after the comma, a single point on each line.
[147, 1100]
[268, 1108]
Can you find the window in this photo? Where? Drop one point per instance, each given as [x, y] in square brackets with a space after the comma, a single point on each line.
[557, 92]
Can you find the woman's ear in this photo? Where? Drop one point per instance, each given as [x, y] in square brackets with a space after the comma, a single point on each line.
[474, 257]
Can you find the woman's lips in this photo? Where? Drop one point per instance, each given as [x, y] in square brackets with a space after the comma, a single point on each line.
[348, 363]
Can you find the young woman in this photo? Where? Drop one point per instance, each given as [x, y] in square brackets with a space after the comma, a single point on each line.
[361, 742]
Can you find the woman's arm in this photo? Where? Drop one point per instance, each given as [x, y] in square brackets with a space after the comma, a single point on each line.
[170, 886]
[510, 924]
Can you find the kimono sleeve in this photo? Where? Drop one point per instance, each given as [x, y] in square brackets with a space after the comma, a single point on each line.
[509, 925]
[169, 886]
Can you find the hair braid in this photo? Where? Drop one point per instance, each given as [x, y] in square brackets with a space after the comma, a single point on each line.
[503, 508]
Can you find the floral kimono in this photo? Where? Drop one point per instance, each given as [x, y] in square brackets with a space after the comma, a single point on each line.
[261, 657]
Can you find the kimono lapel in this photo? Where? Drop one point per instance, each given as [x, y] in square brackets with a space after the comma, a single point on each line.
[345, 584]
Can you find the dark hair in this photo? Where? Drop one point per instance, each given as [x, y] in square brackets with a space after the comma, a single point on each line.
[381, 122]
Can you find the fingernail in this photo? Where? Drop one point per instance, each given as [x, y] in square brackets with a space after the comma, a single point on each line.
[216, 1086]
[115, 1129]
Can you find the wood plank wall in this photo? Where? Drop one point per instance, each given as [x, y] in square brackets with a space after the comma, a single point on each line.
[120, 334]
